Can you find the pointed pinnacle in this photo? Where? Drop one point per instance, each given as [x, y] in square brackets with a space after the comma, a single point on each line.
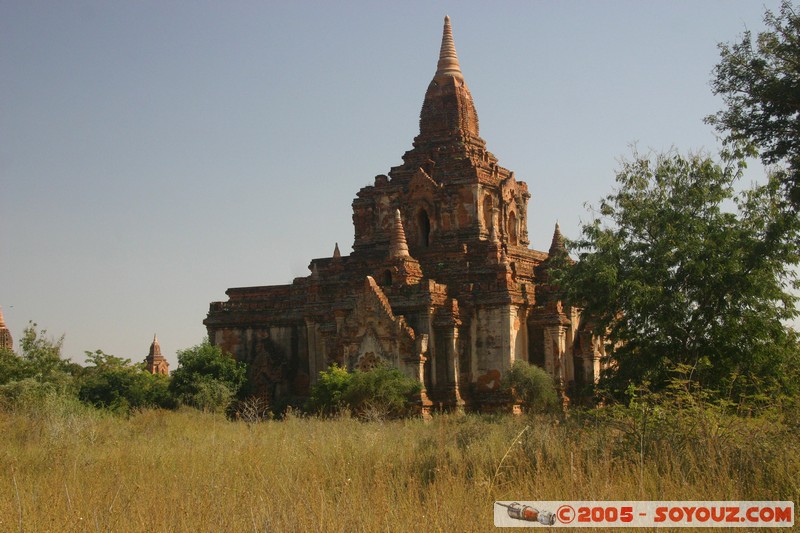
[336, 253]
[398, 246]
[448, 60]
[557, 244]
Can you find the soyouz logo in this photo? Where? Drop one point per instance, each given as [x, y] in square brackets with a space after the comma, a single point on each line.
[644, 514]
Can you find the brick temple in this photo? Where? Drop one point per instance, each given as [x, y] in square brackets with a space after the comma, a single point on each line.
[441, 282]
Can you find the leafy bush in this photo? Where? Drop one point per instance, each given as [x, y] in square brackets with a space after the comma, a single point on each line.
[26, 393]
[532, 385]
[207, 378]
[378, 393]
[381, 392]
[327, 394]
[116, 384]
[12, 367]
[209, 395]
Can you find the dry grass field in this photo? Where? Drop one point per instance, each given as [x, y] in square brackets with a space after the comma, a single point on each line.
[68, 468]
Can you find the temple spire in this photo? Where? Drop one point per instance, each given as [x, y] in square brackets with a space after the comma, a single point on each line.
[398, 246]
[448, 113]
[448, 59]
[155, 347]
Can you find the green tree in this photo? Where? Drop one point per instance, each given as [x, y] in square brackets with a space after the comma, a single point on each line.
[678, 270]
[207, 377]
[759, 81]
[115, 383]
[41, 356]
[38, 372]
[103, 361]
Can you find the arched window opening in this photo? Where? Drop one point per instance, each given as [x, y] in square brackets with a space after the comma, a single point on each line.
[536, 346]
[386, 279]
[512, 229]
[580, 378]
[424, 228]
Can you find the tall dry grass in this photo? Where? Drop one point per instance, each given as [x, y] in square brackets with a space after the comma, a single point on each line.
[73, 469]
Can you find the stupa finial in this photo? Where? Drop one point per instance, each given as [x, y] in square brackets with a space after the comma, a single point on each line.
[448, 59]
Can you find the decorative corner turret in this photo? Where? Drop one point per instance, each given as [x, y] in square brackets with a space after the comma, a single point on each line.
[398, 247]
[401, 268]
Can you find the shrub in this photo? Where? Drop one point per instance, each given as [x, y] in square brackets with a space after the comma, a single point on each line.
[207, 378]
[327, 394]
[209, 395]
[12, 367]
[251, 410]
[122, 389]
[375, 394]
[381, 392]
[532, 385]
[116, 384]
[27, 393]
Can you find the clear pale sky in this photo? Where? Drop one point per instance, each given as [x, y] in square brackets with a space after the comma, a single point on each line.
[154, 154]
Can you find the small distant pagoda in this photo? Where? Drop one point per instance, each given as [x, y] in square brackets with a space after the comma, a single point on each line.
[155, 362]
[6, 342]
